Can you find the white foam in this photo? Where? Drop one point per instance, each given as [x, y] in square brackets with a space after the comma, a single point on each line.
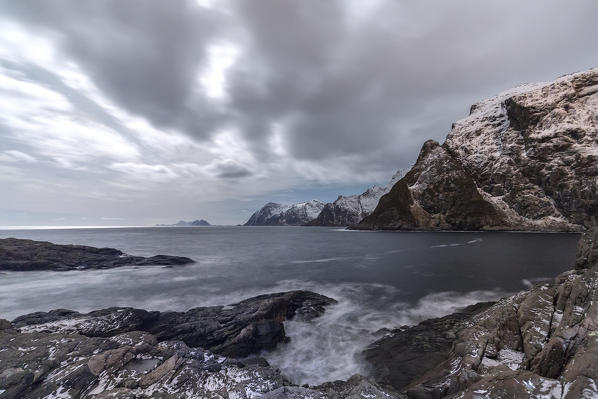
[323, 260]
[458, 244]
[329, 347]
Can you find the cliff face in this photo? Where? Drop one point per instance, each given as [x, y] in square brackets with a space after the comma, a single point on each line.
[540, 343]
[273, 214]
[349, 210]
[523, 160]
[437, 193]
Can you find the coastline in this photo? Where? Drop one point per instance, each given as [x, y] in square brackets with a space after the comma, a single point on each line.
[461, 328]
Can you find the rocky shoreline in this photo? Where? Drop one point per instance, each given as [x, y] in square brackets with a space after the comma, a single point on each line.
[208, 352]
[28, 255]
[542, 343]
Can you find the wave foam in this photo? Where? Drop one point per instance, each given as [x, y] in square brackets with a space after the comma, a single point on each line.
[329, 347]
[458, 244]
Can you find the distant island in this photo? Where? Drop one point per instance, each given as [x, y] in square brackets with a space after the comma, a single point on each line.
[182, 223]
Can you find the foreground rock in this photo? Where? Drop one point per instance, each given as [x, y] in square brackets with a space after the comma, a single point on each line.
[235, 330]
[540, 343]
[405, 354]
[526, 159]
[273, 214]
[25, 255]
[131, 353]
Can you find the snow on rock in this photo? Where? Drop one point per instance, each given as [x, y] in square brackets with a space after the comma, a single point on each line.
[526, 159]
[349, 210]
[274, 214]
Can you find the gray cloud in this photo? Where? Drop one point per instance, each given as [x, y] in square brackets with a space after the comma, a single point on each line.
[143, 54]
[334, 92]
[230, 170]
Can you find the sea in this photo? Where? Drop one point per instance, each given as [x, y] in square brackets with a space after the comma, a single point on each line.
[380, 279]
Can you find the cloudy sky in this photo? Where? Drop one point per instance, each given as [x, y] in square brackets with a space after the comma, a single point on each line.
[147, 111]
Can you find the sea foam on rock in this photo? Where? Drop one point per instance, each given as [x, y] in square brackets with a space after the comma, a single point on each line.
[123, 352]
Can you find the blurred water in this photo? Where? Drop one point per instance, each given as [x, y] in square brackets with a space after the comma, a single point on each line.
[381, 279]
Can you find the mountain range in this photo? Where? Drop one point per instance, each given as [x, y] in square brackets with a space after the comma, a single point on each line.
[274, 214]
[525, 159]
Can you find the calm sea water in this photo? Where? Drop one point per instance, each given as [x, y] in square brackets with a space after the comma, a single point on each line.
[381, 279]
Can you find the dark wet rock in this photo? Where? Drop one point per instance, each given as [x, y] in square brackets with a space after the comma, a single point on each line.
[94, 355]
[542, 342]
[99, 323]
[238, 330]
[5, 324]
[587, 250]
[405, 354]
[356, 387]
[526, 159]
[25, 255]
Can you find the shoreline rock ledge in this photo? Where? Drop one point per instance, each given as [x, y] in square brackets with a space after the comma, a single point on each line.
[28, 255]
[539, 343]
[207, 352]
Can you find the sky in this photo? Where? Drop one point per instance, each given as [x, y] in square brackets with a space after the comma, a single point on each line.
[140, 112]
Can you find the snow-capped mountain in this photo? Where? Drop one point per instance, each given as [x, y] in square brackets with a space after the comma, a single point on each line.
[349, 210]
[526, 159]
[273, 214]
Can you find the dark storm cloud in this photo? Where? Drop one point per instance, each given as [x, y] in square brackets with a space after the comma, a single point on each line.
[351, 83]
[144, 54]
[370, 80]
[230, 170]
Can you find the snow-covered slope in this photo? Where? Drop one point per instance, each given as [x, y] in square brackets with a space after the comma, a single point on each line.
[525, 159]
[349, 210]
[273, 214]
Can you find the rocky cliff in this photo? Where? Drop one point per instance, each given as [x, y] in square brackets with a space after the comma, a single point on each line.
[525, 159]
[349, 210]
[540, 343]
[273, 214]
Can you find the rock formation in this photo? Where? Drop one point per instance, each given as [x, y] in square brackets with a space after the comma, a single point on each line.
[273, 214]
[25, 255]
[526, 159]
[237, 330]
[131, 353]
[349, 210]
[183, 223]
[541, 343]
